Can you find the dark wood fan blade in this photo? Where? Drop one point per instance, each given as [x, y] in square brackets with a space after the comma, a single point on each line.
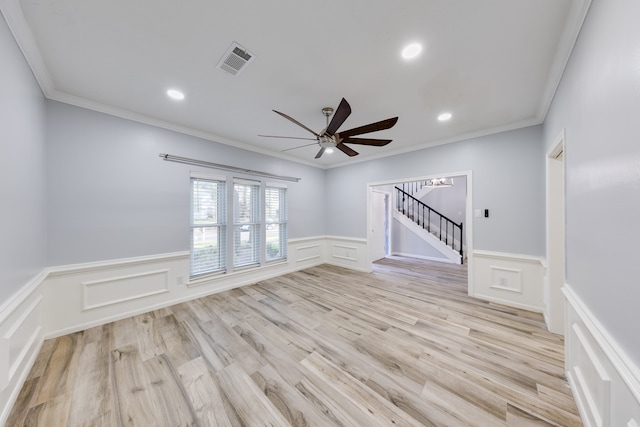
[295, 121]
[371, 127]
[341, 114]
[346, 150]
[299, 146]
[320, 153]
[366, 141]
[287, 137]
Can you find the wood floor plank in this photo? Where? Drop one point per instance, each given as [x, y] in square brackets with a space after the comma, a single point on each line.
[59, 374]
[42, 359]
[23, 402]
[170, 400]
[132, 402]
[297, 410]
[123, 333]
[150, 341]
[91, 398]
[377, 410]
[280, 356]
[179, 348]
[426, 412]
[325, 400]
[208, 348]
[211, 406]
[520, 418]
[53, 412]
[250, 403]
[403, 345]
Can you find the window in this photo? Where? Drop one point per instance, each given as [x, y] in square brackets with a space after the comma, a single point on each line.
[208, 226]
[276, 222]
[246, 223]
[257, 227]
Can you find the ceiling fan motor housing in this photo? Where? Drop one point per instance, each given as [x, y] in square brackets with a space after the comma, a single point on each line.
[326, 141]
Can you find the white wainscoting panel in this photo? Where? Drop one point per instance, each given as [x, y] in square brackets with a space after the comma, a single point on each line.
[510, 279]
[86, 295]
[604, 381]
[307, 251]
[21, 336]
[115, 290]
[506, 279]
[593, 385]
[348, 252]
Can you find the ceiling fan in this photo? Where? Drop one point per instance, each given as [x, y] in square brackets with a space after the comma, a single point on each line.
[329, 137]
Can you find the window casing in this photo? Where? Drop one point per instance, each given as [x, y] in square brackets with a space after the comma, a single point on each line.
[276, 222]
[208, 226]
[247, 224]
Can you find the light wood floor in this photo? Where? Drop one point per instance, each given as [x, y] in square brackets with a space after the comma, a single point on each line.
[326, 346]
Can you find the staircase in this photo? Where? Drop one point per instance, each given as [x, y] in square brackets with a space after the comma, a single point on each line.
[433, 222]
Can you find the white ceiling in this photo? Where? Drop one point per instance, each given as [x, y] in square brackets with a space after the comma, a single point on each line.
[493, 64]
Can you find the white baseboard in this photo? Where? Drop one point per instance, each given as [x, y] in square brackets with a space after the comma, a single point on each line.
[427, 258]
[509, 279]
[604, 380]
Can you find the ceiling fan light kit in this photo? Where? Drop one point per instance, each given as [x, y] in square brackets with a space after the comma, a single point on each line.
[330, 138]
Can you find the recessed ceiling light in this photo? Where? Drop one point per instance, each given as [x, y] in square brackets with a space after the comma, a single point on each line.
[444, 117]
[175, 94]
[411, 51]
[329, 150]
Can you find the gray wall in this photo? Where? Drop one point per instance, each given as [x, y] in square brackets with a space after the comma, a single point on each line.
[508, 179]
[598, 104]
[22, 184]
[405, 241]
[110, 196]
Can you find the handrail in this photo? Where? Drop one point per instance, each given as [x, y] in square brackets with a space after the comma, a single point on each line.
[428, 207]
[426, 222]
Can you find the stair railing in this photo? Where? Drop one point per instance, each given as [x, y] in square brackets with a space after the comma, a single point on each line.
[421, 214]
[413, 187]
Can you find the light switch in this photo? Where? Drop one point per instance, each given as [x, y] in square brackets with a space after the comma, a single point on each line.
[477, 213]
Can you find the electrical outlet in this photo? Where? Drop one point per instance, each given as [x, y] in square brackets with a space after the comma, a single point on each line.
[180, 280]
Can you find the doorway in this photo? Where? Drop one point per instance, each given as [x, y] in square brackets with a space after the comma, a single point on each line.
[381, 205]
[379, 233]
[553, 297]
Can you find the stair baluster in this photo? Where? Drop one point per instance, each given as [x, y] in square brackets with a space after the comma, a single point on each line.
[414, 209]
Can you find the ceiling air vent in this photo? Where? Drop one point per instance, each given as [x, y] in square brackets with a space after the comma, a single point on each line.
[235, 59]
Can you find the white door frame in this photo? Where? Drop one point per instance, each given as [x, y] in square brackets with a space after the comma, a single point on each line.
[387, 214]
[554, 302]
[468, 225]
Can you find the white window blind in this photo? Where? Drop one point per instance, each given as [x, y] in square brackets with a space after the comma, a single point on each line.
[247, 243]
[276, 222]
[208, 226]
